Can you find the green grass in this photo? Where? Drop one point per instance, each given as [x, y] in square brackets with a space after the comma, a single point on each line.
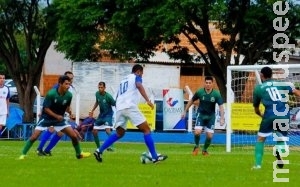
[123, 167]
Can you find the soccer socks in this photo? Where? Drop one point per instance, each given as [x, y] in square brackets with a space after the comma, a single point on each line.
[197, 140]
[150, 144]
[96, 139]
[77, 149]
[108, 142]
[45, 137]
[54, 140]
[259, 152]
[27, 146]
[206, 144]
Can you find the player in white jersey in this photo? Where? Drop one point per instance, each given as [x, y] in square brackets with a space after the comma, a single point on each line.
[4, 102]
[127, 109]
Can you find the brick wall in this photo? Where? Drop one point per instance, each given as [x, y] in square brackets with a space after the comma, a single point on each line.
[48, 82]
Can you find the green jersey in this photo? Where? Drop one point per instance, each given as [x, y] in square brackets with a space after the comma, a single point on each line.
[274, 96]
[57, 103]
[105, 103]
[207, 101]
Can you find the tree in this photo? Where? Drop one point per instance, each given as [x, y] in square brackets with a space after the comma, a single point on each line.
[27, 29]
[137, 28]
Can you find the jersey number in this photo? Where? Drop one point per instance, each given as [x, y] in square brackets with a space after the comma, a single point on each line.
[274, 94]
[123, 87]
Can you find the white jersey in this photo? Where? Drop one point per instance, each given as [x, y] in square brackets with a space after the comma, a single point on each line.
[4, 95]
[128, 94]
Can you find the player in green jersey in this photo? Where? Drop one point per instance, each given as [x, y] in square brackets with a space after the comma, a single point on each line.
[104, 121]
[208, 98]
[56, 103]
[274, 97]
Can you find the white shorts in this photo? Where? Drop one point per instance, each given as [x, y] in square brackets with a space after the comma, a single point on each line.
[56, 128]
[205, 129]
[3, 118]
[133, 114]
[101, 127]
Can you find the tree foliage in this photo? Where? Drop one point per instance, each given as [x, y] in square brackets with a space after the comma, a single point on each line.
[129, 28]
[27, 28]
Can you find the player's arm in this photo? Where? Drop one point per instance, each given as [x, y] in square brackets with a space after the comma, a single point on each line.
[53, 114]
[222, 118]
[94, 107]
[296, 92]
[142, 91]
[257, 111]
[188, 105]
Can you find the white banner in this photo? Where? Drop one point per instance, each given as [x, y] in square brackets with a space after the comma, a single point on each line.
[173, 107]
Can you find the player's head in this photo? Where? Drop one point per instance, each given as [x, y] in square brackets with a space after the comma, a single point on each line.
[101, 87]
[69, 74]
[208, 83]
[266, 73]
[137, 69]
[64, 82]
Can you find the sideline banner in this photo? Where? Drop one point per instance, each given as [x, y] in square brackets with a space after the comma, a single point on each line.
[173, 106]
[243, 117]
[149, 115]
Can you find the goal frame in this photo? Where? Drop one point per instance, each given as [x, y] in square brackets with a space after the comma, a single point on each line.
[229, 100]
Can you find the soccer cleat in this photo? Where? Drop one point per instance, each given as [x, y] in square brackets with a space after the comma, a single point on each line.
[195, 151]
[40, 153]
[83, 155]
[160, 158]
[279, 160]
[110, 149]
[98, 156]
[258, 167]
[22, 157]
[205, 153]
[47, 153]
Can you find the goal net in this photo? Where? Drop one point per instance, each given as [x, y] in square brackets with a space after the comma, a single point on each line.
[242, 122]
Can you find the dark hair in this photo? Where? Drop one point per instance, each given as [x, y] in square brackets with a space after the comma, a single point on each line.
[267, 72]
[101, 83]
[137, 67]
[209, 78]
[68, 72]
[63, 78]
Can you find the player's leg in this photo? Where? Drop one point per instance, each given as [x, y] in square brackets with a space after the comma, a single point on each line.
[108, 130]
[68, 130]
[54, 140]
[281, 134]
[120, 131]
[209, 129]
[139, 120]
[43, 140]
[197, 131]
[264, 131]
[28, 144]
[96, 136]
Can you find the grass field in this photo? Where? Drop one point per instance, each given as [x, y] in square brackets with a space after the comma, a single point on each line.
[123, 167]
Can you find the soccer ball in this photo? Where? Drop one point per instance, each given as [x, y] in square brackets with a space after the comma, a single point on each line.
[146, 157]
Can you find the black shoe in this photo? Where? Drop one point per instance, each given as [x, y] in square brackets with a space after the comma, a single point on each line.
[160, 158]
[98, 156]
[47, 153]
[279, 160]
[40, 153]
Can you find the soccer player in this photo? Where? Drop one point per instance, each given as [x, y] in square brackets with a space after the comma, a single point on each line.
[47, 134]
[127, 109]
[273, 95]
[104, 121]
[208, 98]
[56, 103]
[4, 102]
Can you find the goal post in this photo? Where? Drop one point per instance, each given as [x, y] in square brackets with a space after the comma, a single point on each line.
[242, 122]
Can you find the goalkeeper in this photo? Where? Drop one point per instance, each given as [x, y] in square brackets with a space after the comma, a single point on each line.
[208, 98]
[273, 95]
